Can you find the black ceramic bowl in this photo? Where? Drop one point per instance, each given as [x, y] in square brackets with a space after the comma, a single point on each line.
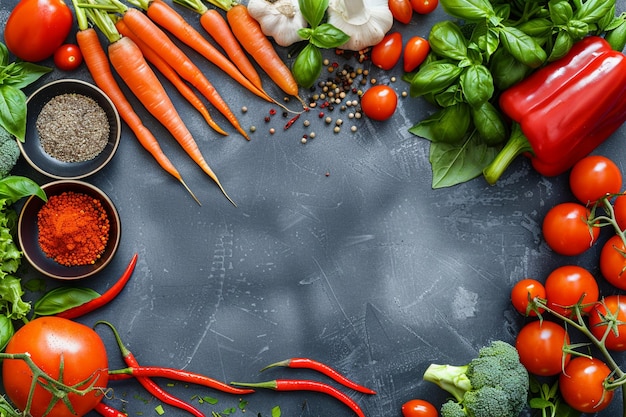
[28, 232]
[34, 153]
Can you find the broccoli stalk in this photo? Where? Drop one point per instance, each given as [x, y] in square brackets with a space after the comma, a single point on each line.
[494, 384]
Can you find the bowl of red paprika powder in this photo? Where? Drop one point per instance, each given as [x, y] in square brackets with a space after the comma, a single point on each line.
[72, 235]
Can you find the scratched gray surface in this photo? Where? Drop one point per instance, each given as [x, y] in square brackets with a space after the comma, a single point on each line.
[339, 250]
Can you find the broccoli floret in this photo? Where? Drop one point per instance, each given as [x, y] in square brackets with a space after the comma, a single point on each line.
[9, 152]
[494, 384]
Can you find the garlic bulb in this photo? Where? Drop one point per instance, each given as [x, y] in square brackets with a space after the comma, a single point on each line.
[279, 19]
[365, 21]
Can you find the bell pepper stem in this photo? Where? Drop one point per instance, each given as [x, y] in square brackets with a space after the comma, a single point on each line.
[516, 145]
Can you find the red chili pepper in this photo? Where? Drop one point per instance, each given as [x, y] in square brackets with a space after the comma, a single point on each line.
[564, 110]
[305, 385]
[103, 299]
[108, 411]
[307, 363]
[291, 121]
[176, 375]
[149, 385]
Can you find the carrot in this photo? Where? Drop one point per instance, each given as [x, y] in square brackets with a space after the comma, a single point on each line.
[171, 75]
[216, 26]
[98, 65]
[128, 61]
[168, 18]
[154, 37]
[248, 31]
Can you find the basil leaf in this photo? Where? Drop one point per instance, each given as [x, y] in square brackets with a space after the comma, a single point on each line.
[524, 48]
[6, 331]
[592, 11]
[617, 37]
[21, 74]
[433, 78]
[313, 11]
[448, 125]
[447, 40]
[61, 299]
[307, 67]
[454, 164]
[328, 36]
[489, 124]
[562, 45]
[486, 38]
[11, 297]
[577, 29]
[560, 12]
[468, 9]
[477, 85]
[537, 28]
[14, 187]
[506, 70]
[13, 111]
[4, 55]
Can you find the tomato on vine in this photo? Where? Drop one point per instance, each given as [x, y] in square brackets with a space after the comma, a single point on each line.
[424, 6]
[419, 408]
[608, 317]
[379, 102]
[582, 385]
[619, 210]
[540, 345]
[569, 285]
[524, 292]
[68, 57]
[613, 262]
[567, 230]
[593, 177]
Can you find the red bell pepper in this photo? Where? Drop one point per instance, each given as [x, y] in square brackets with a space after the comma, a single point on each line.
[564, 110]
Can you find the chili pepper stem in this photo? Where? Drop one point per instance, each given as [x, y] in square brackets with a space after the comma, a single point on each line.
[265, 384]
[517, 145]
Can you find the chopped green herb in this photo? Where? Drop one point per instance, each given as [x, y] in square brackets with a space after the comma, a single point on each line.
[159, 410]
[276, 411]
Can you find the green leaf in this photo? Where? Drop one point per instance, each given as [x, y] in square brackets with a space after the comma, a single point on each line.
[21, 74]
[524, 48]
[313, 11]
[307, 67]
[471, 10]
[592, 11]
[560, 11]
[61, 299]
[506, 70]
[537, 28]
[15, 187]
[276, 411]
[6, 331]
[563, 43]
[477, 85]
[454, 164]
[13, 111]
[489, 123]
[434, 77]
[4, 55]
[328, 36]
[11, 298]
[448, 125]
[447, 40]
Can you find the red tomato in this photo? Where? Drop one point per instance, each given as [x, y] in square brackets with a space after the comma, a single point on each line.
[401, 10]
[419, 408]
[619, 208]
[567, 231]
[540, 345]
[415, 52]
[36, 28]
[524, 292]
[613, 262]
[581, 385]
[609, 316]
[569, 284]
[424, 6]
[387, 53]
[68, 57]
[593, 177]
[50, 340]
[379, 102]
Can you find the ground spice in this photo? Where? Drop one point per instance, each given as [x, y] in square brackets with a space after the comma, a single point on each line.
[73, 128]
[73, 228]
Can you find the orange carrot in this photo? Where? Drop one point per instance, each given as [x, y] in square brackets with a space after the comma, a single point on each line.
[98, 65]
[128, 61]
[169, 73]
[154, 37]
[165, 16]
[248, 31]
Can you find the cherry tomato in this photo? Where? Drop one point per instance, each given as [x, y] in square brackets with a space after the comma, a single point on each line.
[419, 408]
[582, 385]
[524, 292]
[68, 57]
[424, 6]
[613, 262]
[566, 230]
[379, 102]
[36, 28]
[415, 52]
[55, 343]
[387, 53]
[609, 315]
[619, 208]
[540, 345]
[569, 284]
[401, 10]
[593, 177]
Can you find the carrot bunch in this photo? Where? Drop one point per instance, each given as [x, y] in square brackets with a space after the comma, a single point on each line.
[129, 62]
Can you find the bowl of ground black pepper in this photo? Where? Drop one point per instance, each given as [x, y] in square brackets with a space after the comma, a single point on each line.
[72, 129]
[72, 235]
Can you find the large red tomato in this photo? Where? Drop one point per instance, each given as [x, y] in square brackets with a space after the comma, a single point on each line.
[582, 385]
[56, 343]
[567, 229]
[569, 285]
[36, 28]
[540, 345]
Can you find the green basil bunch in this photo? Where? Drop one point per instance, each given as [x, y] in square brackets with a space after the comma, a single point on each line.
[488, 47]
[307, 66]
